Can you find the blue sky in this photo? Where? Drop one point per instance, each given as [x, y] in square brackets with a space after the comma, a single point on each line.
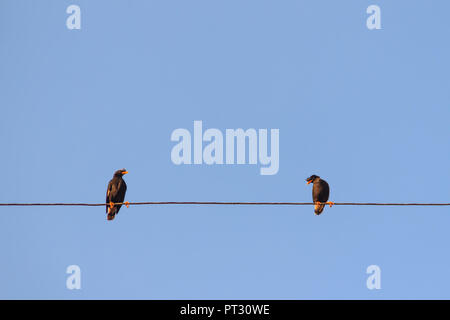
[367, 110]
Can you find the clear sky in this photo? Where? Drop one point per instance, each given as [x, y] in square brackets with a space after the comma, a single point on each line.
[367, 110]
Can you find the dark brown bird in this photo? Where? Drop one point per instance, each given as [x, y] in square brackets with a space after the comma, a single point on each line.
[320, 193]
[116, 194]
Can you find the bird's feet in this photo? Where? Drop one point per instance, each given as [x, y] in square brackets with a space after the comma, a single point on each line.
[126, 203]
[111, 204]
[331, 203]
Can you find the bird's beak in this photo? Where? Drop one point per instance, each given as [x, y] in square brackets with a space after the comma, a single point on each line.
[125, 172]
[308, 182]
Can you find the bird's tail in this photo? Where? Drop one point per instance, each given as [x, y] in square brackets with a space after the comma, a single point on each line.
[318, 208]
[111, 213]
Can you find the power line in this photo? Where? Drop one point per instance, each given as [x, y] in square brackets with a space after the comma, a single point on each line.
[225, 203]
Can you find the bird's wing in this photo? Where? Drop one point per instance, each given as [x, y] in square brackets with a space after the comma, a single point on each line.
[321, 191]
[324, 191]
[118, 192]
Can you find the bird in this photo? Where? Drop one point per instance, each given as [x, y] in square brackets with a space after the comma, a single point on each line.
[115, 193]
[320, 193]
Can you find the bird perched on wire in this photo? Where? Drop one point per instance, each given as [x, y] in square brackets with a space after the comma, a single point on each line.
[116, 194]
[320, 193]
